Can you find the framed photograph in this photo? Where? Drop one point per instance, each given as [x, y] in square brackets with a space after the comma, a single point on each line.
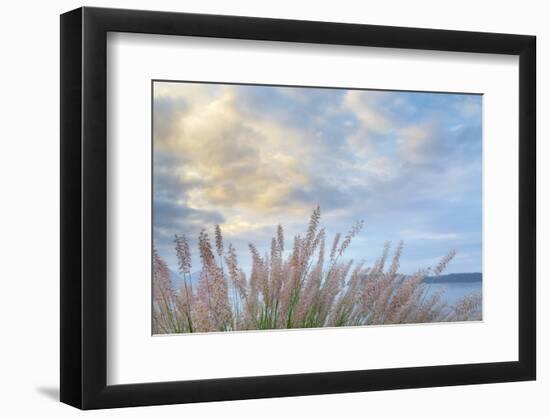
[257, 207]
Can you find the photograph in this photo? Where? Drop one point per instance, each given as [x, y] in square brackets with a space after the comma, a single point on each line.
[295, 207]
[339, 205]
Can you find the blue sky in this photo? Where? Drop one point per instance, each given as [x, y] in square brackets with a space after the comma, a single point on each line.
[251, 157]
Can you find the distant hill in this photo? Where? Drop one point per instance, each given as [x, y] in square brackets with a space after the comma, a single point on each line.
[455, 278]
[177, 279]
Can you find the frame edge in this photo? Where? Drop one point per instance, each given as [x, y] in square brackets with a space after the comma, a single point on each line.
[527, 270]
[70, 215]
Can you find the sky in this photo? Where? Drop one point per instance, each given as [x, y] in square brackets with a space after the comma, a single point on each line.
[250, 157]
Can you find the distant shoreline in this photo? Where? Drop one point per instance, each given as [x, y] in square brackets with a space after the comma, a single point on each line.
[455, 278]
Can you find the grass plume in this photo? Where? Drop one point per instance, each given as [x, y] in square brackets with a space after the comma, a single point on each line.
[303, 288]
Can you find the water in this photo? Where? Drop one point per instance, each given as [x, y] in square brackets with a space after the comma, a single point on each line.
[453, 292]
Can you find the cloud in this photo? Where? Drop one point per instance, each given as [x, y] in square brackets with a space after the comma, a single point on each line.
[241, 160]
[369, 110]
[171, 218]
[469, 106]
[248, 158]
[420, 144]
[416, 235]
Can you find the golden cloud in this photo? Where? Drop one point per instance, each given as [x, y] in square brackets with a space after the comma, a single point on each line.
[240, 160]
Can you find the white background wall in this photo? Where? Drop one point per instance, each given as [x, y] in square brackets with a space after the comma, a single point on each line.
[29, 237]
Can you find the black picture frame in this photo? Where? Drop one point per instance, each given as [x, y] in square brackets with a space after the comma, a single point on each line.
[84, 207]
